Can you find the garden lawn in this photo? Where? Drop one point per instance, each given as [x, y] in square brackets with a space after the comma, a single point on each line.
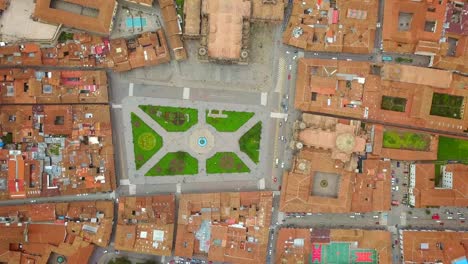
[175, 163]
[172, 119]
[146, 142]
[249, 143]
[231, 123]
[225, 162]
[405, 140]
[452, 149]
[393, 103]
[446, 105]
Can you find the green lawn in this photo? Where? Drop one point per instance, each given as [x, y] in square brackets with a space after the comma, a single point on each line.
[438, 175]
[446, 105]
[405, 140]
[175, 163]
[225, 162]
[146, 142]
[452, 149]
[249, 143]
[172, 119]
[393, 103]
[180, 10]
[231, 123]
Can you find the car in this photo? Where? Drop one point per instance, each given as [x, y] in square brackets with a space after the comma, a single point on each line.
[282, 165]
[393, 188]
[449, 217]
[280, 124]
[286, 96]
[275, 179]
[287, 52]
[415, 217]
[286, 118]
[375, 216]
[397, 188]
[398, 164]
[276, 162]
[352, 216]
[289, 76]
[349, 59]
[378, 25]
[316, 54]
[334, 58]
[289, 67]
[396, 241]
[295, 57]
[282, 138]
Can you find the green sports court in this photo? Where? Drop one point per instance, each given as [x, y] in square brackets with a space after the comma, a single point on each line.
[341, 253]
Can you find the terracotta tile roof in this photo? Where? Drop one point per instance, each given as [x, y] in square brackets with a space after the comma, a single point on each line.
[101, 23]
[226, 220]
[433, 246]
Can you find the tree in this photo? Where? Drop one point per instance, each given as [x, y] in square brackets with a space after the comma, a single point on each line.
[120, 260]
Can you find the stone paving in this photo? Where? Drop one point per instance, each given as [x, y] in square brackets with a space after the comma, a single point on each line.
[182, 141]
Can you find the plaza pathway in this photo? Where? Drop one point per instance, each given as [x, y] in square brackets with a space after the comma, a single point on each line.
[181, 141]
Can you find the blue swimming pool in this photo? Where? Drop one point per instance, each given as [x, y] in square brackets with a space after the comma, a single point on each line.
[135, 22]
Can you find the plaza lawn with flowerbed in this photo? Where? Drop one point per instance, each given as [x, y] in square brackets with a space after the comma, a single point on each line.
[225, 162]
[447, 105]
[406, 140]
[146, 142]
[175, 163]
[249, 143]
[231, 121]
[172, 119]
[452, 149]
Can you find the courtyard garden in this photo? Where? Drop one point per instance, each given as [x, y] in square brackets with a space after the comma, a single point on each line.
[406, 140]
[393, 103]
[172, 119]
[225, 162]
[452, 149]
[227, 121]
[175, 163]
[146, 142]
[447, 105]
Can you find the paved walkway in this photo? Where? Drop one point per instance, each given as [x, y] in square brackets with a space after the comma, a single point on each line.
[179, 141]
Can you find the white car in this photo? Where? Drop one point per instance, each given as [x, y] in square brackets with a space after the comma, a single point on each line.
[282, 165]
[334, 58]
[289, 67]
[379, 25]
[352, 216]
[375, 216]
